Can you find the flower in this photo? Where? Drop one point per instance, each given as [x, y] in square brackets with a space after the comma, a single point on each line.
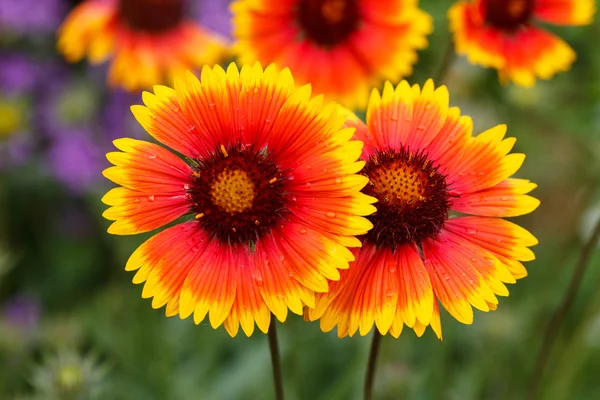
[19, 78]
[501, 34]
[69, 374]
[214, 15]
[342, 47]
[424, 167]
[271, 186]
[31, 17]
[75, 160]
[149, 41]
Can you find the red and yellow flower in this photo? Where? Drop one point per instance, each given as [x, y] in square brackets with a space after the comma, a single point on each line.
[342, 47]
[501, 34]
[270, 182]
[149, 41]
[424, 167]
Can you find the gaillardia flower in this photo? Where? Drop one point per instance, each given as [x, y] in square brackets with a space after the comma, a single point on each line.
[342, 47]
[425, 167]
[501, 34]
[269, 178]
[149, 41]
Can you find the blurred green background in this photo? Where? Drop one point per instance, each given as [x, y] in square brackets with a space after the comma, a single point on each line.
[71, 321]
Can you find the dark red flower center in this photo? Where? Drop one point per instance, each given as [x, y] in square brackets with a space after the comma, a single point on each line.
[413, 199]
[328, 22]
[151, 15]
[238, 194]
[507, 15]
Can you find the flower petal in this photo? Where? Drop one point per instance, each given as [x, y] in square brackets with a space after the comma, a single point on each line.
[565, 12]
[155, 187]
[506, 199]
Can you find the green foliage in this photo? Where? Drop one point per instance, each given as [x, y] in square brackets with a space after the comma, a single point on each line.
[89, 306]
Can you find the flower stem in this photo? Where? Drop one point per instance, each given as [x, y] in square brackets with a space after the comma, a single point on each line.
[371, 365]
[561, 312]
[439, 75]
[275, 359]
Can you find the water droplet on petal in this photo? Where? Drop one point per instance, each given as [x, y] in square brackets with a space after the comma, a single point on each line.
[152, 156]
[330, 214]
[256, 90]
[504, 198]
[472, 231]
[338, 180]
[136, 200]
[302, 231]
[151, 197]
[257, 277]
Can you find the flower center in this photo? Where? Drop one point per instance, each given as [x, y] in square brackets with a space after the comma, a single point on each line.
[232, 191]
[413, 199]
[151, 15]
[238, 194]
[328, 22]
[507, 15]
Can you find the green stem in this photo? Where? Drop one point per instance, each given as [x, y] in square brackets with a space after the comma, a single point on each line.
[561, 312]
[439, 76]
[275, 359]
[371, 365]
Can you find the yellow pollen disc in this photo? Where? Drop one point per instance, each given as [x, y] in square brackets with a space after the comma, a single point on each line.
[400, 185]
[333, 10]
[516, 8]
[232, 191]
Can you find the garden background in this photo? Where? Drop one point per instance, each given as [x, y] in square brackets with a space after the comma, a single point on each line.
[73, 326]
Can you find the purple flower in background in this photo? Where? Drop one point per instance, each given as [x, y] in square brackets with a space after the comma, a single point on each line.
[76, 160]
[117, 119]
[19, 77]
[18, 74]
[21, 312]
[31, 17]
[214, 15]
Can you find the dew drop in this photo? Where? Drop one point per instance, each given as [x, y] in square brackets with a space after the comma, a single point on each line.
[504, 198]
[256, 90]
[471, 231]
[151, 197]
[302, 231]
[152, 156]
[257, 277]
[330, 214]
[293, 198]
[175, 109]
[136, 200]
[212, 106]
[392, 269]
[308, 185]
[338, 180]
[390, 293]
